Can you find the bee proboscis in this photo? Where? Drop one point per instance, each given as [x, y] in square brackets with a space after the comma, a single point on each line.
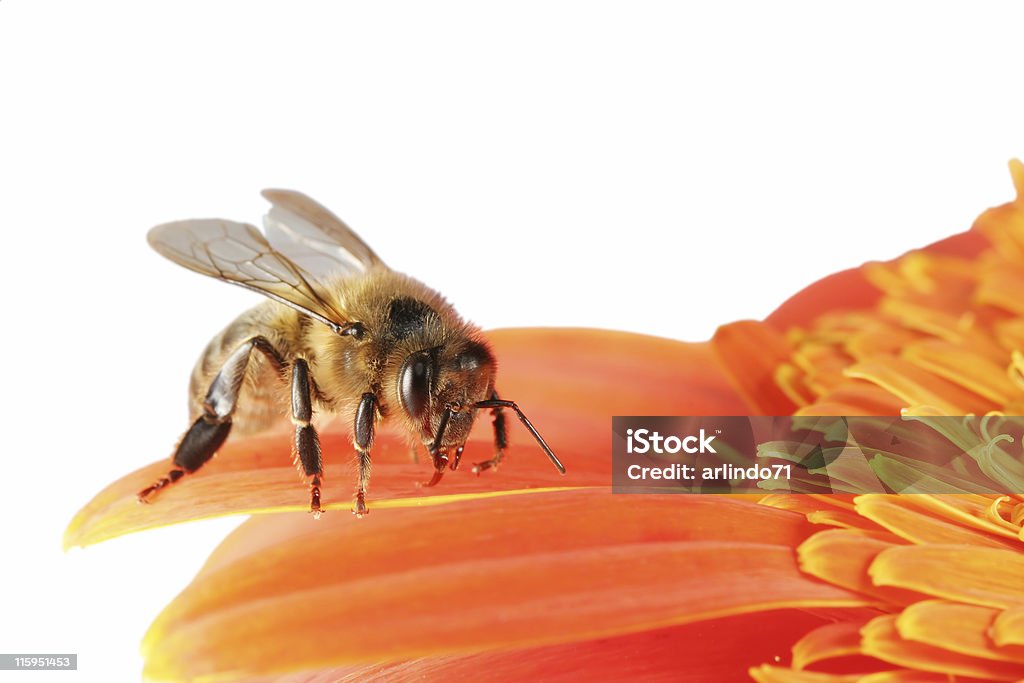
[340, 333]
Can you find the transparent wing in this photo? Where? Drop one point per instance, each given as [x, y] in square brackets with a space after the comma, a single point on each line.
[239, 253]
[313, 237]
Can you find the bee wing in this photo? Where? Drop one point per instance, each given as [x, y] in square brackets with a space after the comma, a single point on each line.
[313, 237]
[239, 253]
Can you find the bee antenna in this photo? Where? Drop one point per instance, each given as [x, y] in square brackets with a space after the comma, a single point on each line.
[499, 403]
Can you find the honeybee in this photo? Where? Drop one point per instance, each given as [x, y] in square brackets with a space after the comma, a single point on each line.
[341, 333]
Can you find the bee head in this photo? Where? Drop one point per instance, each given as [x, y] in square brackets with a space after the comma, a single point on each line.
[449, 378]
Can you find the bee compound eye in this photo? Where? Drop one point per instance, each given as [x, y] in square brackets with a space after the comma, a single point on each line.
[414, 384]
[473, 357]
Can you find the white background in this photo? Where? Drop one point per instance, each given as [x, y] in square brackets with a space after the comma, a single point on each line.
[659, 168]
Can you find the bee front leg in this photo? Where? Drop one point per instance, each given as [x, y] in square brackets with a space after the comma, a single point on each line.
[500, 439]
[458, 458]
[363, 440]
[211, 428]
[307, 443]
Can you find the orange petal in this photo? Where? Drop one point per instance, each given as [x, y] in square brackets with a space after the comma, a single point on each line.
[1002, 287]
[702, 652]
[881, 639]
[908, 676]
[957, 325]
[919, 387]
[927, 278]
[255, 475]
[1008, 628]
[828, 642]
[841, 519]
[772, 674]
[553, 568]
[850, 289]
[821, 509]
[1004, 225]
[843, 557]
[777, 674]
[806, 504]
[957, 628]
[980, 576]
[856, 397]
[964, 367]
[847, 289]
[898, 515]
[569, 382]
[599, 373]
[751, 351]
[970, 510]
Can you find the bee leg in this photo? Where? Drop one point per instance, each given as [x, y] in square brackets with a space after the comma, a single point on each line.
[200, 442]
[307, 443]
[500, 439]
[211, 428]
[363, 440]
[438, 453]
[500, 442]
[458, 458]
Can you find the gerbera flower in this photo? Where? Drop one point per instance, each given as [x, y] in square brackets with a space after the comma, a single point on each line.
[525, 574]
[941, 337]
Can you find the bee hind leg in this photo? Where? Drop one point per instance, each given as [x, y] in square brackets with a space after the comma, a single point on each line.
[307, 443]
[198, 445]
[209, 431]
